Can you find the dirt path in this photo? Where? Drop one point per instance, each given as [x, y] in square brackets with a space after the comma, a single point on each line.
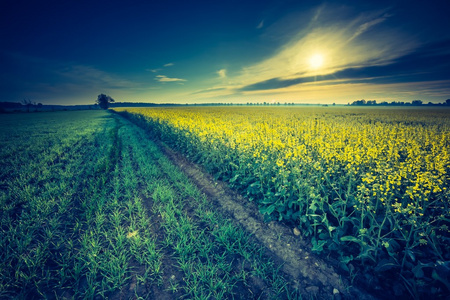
[307, 272]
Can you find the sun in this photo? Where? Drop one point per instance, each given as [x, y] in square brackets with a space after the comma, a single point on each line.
[316, 61]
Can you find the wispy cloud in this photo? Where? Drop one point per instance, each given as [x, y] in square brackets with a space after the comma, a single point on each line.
[367, 25]
[81, 74]
[163, 78]
[343, 42]
[427, 63]
[222, 73]
[156, 70]
[260, 25]
[61, 72]
[209, 90]
[57, 81]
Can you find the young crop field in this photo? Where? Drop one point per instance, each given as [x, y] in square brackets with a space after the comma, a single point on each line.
[368, 187]
[92, 209]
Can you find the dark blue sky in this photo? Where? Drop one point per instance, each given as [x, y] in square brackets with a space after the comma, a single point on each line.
[68, 52]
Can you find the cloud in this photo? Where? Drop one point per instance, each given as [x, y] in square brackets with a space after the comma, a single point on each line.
[87, 75]
[366, 26]
[54, 81]
[430, 62]
[222, 73]
[365, 55]
[260, 25]
[209, 90]
[346, 42]
[159, 69]
[163, 78]
[60, 72]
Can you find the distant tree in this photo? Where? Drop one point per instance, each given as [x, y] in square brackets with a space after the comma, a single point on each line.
[28, 103]
[416, 102]
[103, 101]
[447, 102]
[359, 102]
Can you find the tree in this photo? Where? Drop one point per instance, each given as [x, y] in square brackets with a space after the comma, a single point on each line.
[359, 102]
[447, 102]
[103, 101]
[28, 103]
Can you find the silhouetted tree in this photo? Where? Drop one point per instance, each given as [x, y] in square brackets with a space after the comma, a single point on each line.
[28, 103]
[417, 102]
[103, 101]
[447, 102]
[359, 102]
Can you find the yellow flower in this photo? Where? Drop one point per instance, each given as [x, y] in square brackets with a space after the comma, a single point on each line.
[132, 234]
[280, 163]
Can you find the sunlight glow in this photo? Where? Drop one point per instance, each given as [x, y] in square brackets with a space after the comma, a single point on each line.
[316, 61]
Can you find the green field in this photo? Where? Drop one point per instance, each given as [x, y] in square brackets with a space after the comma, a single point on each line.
[344, 203]
[90, 208]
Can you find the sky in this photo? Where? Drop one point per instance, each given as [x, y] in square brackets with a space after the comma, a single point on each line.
[68, 52]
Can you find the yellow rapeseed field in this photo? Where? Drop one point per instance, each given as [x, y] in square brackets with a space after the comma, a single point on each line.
[369, 183]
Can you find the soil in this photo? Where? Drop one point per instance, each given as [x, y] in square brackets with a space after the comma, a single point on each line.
[310, 274]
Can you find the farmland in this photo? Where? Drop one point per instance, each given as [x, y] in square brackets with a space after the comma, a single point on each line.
[368, 186]
[97, 204]
[91, 208]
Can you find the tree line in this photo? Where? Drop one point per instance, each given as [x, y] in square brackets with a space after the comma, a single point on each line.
[397, 103]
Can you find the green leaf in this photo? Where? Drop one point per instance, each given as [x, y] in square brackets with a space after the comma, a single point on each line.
[313, 215]
[323, 236]
[385, 265]
[436, 276]
[317, 245]
[267, 210]
[410, 254]
[418, 272]
[349, 238]
[367, 252]
[234, 178]
[346, 259]
[303, 219]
